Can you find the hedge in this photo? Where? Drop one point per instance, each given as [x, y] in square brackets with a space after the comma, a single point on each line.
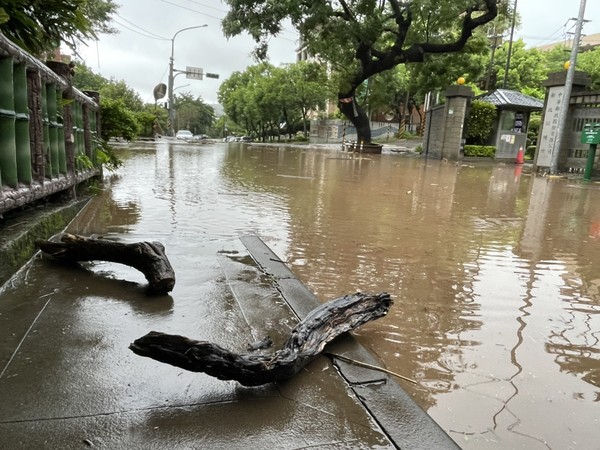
[480, 150]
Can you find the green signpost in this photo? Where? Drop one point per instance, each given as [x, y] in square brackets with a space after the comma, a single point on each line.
[590, 135]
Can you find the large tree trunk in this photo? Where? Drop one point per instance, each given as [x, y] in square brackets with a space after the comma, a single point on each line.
[357, 115]
[305, 342]
[147, 257]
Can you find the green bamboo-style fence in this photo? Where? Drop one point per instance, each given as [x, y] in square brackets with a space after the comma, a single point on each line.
[48, 129]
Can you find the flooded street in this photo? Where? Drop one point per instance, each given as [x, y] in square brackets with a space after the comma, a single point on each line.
[494, 272]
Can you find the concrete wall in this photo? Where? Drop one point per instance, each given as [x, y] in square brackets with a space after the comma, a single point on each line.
[584, 107]
[434, 134]
[336, 131]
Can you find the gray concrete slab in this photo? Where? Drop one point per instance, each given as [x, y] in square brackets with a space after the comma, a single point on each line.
[401, 418]
[69, 381]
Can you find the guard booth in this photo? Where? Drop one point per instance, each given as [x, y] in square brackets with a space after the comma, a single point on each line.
[512, 119]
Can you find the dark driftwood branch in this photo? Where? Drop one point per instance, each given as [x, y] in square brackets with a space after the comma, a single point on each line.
[306, 341]
[147, 257]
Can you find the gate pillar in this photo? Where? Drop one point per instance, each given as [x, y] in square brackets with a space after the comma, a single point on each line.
[444, 136]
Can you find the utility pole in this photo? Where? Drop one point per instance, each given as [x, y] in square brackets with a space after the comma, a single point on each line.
[510, 44]
[172, 79]
[564, 105]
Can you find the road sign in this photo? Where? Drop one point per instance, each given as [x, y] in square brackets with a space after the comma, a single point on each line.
[159, 91]
[211, 75]
[194, 73]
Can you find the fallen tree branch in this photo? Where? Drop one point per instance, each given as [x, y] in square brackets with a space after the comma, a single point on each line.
[305, 342]
[147, 257]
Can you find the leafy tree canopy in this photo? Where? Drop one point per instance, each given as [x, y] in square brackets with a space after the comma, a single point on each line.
[365, 37]
[362, 38]
[86, 80]
[264, 98]
[193, 114]
[40, 26]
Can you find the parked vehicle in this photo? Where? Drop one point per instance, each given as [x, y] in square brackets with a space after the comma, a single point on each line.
[245, 139]
[200, 137]
[185, 135]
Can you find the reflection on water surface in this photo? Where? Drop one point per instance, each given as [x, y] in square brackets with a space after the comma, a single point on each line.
[497, 309]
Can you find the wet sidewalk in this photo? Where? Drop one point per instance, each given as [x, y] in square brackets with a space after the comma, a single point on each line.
[69, 381]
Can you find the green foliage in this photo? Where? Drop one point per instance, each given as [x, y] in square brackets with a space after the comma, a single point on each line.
[264, 98]
[590, 62]
[533, 128]
[193, 114]
[527, 69]
[86, 80]
[117, 120]
[3, 16]
[105, 155]
[441, 70]
[363, 38]
[41, 26]
[117, 98]
[146, 120]
[84, 162]
[480, 150]
[480, 122]
[118, 90]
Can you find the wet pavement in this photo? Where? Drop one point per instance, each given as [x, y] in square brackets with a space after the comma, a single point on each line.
[493, 272]
[68, 380]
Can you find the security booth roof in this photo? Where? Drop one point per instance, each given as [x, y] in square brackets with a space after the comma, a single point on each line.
[507, 99]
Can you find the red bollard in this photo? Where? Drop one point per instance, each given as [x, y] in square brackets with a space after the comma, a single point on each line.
[520, 156]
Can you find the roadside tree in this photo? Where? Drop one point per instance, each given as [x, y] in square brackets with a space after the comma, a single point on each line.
[41, 26]
[364, 38]
[306, 88]
[193, 114]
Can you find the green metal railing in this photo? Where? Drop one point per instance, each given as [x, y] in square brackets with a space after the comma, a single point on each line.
[47, 128]
[8, 154]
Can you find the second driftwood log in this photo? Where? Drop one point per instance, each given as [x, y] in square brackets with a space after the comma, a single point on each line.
[305, 342]
[147, 257]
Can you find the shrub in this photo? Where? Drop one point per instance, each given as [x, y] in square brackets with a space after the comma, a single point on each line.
[480, 122]
[480, 150]
[533, 129]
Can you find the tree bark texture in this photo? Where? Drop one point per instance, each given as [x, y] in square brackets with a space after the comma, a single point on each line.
[357, 116]
[305, 342]
[147, 257]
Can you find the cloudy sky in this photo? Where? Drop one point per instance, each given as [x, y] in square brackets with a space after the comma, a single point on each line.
[139, 53]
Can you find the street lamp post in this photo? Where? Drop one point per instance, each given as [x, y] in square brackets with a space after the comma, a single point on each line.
[171, 78]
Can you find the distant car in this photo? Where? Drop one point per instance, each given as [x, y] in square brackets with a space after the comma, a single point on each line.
[245, 139]
[185, 135]
[200, 137]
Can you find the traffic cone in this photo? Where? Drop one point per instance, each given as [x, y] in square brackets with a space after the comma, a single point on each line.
[520, 156]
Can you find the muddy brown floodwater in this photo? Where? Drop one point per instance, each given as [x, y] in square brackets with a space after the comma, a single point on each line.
[494, 272]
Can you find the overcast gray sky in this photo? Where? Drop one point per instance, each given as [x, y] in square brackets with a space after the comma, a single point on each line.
[139, 53]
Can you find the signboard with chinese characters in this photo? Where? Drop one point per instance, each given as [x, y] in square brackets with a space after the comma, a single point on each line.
[194, 73]
[549, 138]
[591, 133]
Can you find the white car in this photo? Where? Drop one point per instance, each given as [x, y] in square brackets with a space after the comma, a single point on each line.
[186, 135]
